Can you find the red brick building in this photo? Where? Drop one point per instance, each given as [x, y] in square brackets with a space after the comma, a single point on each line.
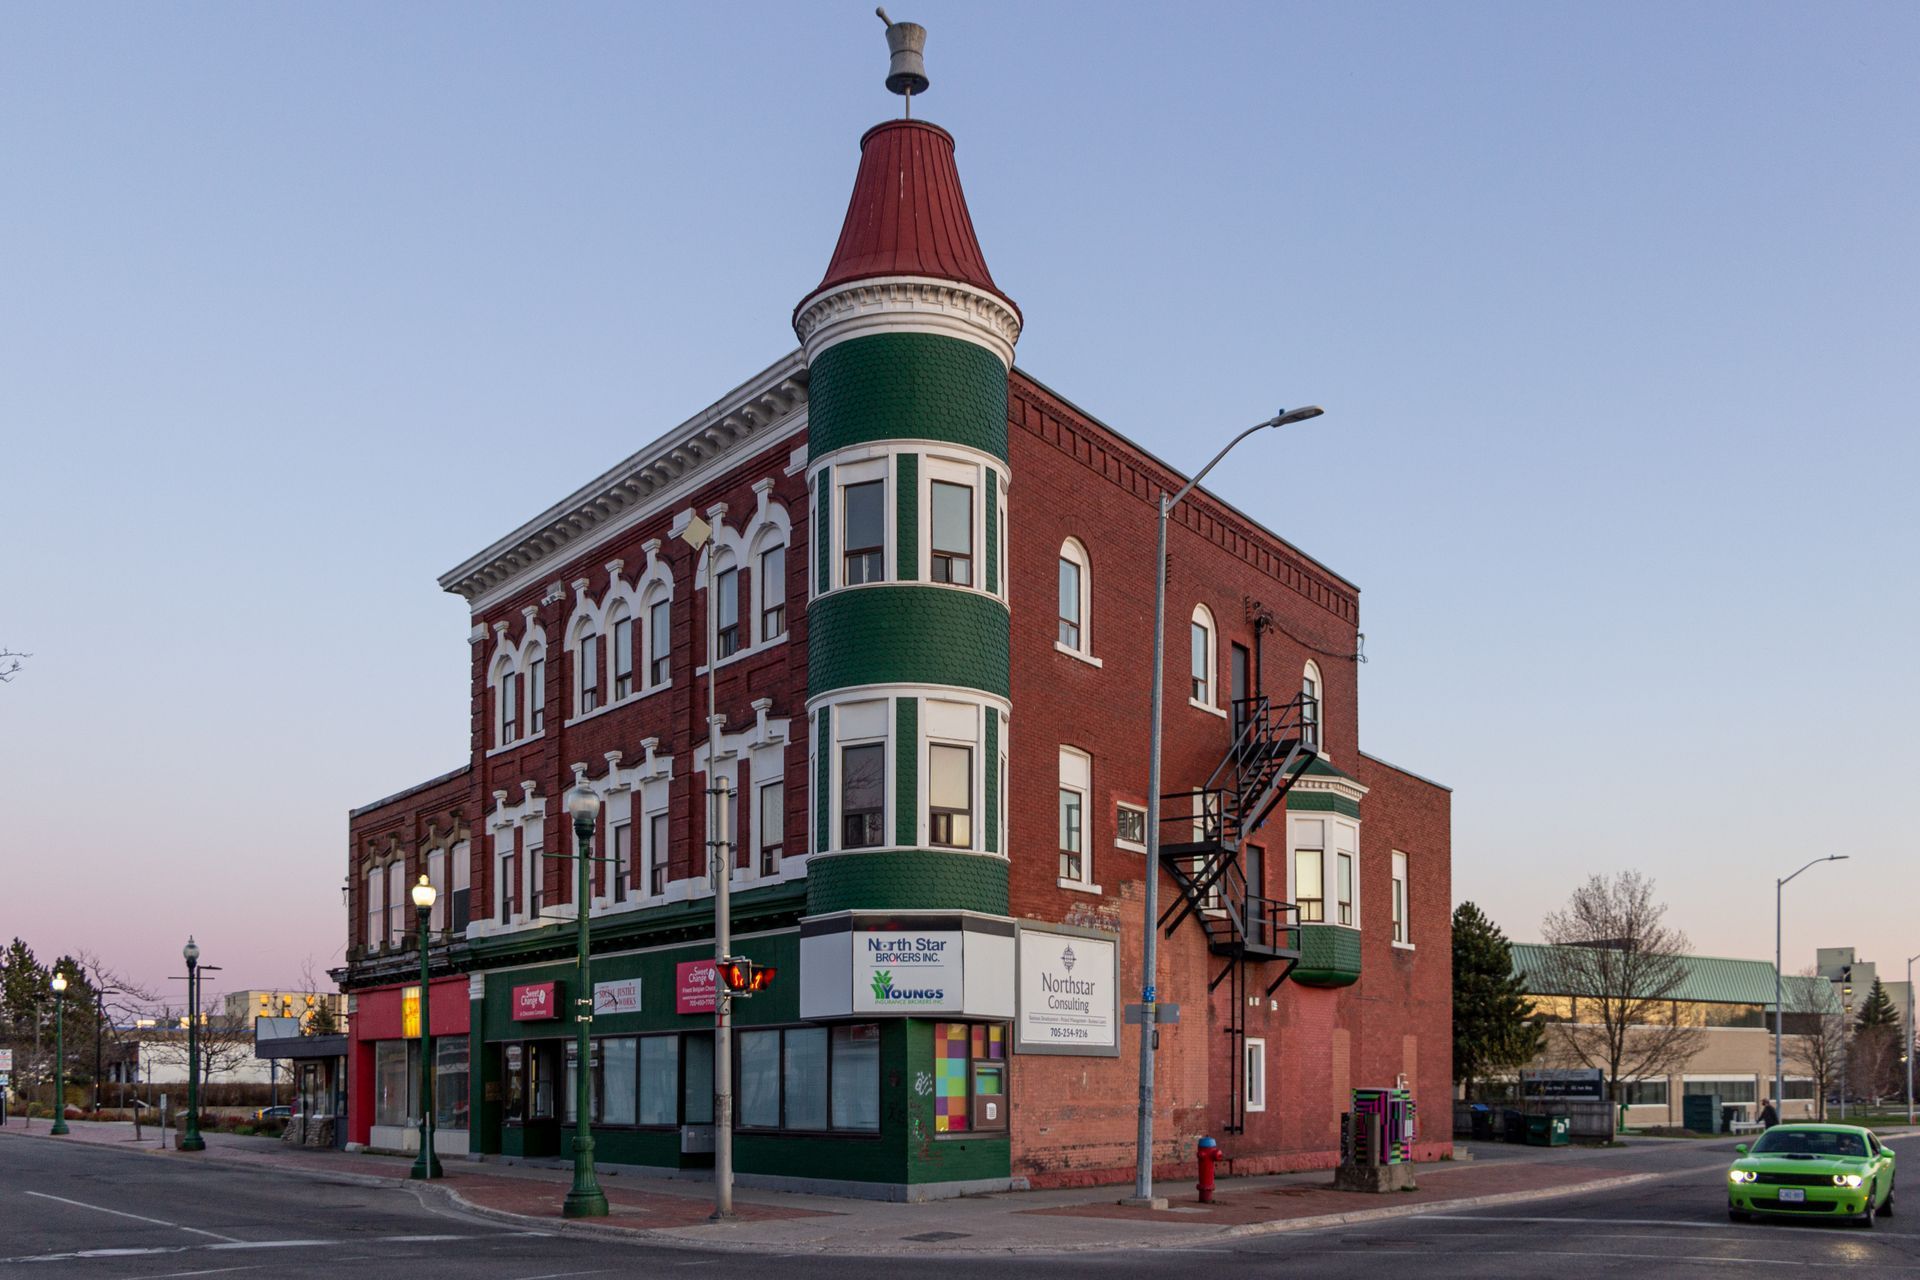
[930, 629]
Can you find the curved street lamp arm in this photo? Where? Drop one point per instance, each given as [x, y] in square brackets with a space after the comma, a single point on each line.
[1281, 419]
[1832, 857]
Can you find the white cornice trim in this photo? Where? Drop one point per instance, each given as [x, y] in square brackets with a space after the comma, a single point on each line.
[913, 304]
[767, 407]
[1346, 787]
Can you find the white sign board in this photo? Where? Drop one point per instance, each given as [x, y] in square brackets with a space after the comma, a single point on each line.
[622, 996]
[1069, 994]
[906, 971]
[6, 1060]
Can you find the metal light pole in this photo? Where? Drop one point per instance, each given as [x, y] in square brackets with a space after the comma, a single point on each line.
[585, 1199]
[1907, 1031]
[1779, 982]
[427, 1165]
[1149, 959]
[191, 1139]
[720, 867]
[59, 1052]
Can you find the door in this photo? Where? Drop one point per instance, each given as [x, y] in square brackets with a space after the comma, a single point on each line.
[1254, 863]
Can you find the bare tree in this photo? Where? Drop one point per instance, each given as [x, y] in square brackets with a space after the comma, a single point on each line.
[10, 664]
[1625, 970]
[1817, 1035]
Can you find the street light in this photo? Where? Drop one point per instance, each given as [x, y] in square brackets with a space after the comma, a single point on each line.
[191, 1140]
[585, 1200]
[426, 1165]
[1143, 1153]
[720, 867]
[59, 1053]
[1779, 985]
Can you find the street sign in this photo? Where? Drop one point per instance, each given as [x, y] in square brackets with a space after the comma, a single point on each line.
[1164, 1014]
[6, 1061]
[1564, 1083]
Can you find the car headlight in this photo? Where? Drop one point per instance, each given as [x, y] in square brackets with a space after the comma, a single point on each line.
[1742, 1175]
[1847, 1179]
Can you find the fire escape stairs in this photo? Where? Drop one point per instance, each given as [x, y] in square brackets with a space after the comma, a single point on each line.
[1271, 750]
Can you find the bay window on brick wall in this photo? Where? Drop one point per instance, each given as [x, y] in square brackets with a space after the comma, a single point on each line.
[1326, 869]
[863, 531]
[952, 528]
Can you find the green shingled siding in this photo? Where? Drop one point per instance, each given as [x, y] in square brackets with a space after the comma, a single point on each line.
[906, 770]
[906, 386]
[908, 635]
[1321, 802]
[1329, 956]
[906, 487]
[907, 880]
[822, 529]
[993, 531]
[990, 761]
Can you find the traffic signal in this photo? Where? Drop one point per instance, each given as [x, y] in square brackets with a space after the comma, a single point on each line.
[742, 977]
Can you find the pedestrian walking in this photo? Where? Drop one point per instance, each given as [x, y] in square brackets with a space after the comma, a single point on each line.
[1768, 1116]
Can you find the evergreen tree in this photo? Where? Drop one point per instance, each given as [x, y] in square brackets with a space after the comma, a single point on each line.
[1879, 1010]
[1492, 1026]
[23, 988]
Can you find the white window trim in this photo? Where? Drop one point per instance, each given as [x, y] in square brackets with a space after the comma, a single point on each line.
[1340, 834]
[976, 783]
[1256, 1052]
[1129, 845]
[1203, 617]
[853, 473]
[1402, 867]
[1075, 553]
[973, 476]
[1312, 672]
[1086, 882]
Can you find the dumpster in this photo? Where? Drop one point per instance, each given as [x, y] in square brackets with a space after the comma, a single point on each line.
[1549, 1131]
[1481, 1119]
[1513, 1126]
[1700, 1112]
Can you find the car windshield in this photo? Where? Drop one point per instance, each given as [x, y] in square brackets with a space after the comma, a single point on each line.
[1809, 1142]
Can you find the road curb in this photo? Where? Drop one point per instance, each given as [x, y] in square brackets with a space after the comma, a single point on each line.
[1488, 1201]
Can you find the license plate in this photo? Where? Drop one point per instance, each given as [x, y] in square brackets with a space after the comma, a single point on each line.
[1792, 1195]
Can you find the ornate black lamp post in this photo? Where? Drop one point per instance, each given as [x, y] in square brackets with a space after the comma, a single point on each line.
[585, 1200]
[191, 1140]
[59, 1052]
[427, 1165]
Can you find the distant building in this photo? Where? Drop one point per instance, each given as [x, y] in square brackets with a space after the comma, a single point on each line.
[1731, 1002]
[1852, 980]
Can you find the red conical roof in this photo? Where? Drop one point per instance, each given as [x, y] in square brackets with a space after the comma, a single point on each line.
[908, 215]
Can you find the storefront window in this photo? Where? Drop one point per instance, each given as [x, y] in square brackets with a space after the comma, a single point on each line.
[760, 1079]
[804, 1078]
[856, 1077]
[450, 1082]
[659, 1079]
[392, 1081]
[619, 1080]
[699, 1079]
[516, 1082]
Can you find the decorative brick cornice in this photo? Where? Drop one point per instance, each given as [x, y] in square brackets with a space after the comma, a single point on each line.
[644, 483]
[1044, 414]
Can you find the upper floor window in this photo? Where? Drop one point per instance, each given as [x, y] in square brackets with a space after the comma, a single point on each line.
[507, 883]
[397, 903]
[1400, 931]
[657, 854]
[1076, 772]
[1200, 684]
[437, 877]
[659, 642]
[376, 910]
[773, 813]
[1344, 883]
[864, 523]
[622, 654]
[537, 695]
[950, 796]
[863, 778]
[726, 616]
[509, 696]
[1309, 885]
[773, 593]
[589, 663]
[1074, 583]
[952, 533]
[1130, 827]
[1310, 704]
[620, 836]
[460, 891]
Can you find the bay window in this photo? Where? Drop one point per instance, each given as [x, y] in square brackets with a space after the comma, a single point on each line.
[952, 533]
[1309, 886]
[950, 796]
[864, 531]
[863, 777]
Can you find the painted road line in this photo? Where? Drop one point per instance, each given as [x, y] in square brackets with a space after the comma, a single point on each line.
[229, 1246]
[158, 1222]
[1581, 1222]
[217, 1271]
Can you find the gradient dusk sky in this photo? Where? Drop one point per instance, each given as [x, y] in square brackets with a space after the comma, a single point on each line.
[1613, 310]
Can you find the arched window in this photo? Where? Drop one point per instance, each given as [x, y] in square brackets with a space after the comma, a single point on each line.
[505, 683]
[536, 681]
[770, 587]
[659, 636]
[586, 667]
[1310, 702]
[727, 640]
[620, 628]
[376, 911]
[1200, 682]
[1076, 595]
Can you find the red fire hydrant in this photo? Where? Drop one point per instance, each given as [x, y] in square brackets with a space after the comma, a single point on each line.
[1209, 1155]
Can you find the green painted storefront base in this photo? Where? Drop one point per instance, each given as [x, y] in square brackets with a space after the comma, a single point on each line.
[1329, 956]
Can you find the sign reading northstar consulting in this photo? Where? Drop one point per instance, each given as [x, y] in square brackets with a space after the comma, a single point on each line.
[1069, 994]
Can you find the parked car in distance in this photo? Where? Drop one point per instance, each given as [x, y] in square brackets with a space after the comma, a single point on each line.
[1808, 1169]
[273, 1113]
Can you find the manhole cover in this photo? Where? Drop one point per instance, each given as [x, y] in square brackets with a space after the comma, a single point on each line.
[930, 1237]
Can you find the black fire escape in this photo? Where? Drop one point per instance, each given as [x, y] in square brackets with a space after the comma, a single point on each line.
[1272, 747]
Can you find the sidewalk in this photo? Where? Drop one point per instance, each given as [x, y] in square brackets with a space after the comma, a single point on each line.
[665, 1211]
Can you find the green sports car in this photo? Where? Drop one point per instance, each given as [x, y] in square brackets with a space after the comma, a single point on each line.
[1812, 1169]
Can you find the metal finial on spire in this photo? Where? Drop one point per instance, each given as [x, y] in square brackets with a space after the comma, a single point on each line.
[907, 71]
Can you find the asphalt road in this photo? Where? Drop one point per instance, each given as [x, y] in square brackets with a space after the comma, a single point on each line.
[93, 1213]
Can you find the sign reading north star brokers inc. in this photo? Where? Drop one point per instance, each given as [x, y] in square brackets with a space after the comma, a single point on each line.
[899, 970]
[1069, 994]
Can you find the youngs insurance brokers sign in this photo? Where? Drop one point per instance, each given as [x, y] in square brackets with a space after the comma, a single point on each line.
[899, 971]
